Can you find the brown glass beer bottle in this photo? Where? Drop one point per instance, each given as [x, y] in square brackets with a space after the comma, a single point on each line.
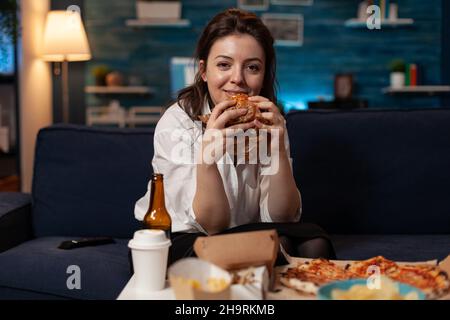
[157, 216]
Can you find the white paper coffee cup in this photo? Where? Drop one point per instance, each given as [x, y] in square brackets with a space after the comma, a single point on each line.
[149, 250]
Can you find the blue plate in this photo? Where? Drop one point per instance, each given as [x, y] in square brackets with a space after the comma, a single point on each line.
[324, 292]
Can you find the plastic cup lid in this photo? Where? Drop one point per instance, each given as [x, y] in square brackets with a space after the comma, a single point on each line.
[149, 239]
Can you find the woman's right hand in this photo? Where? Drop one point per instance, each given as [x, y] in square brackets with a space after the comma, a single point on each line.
[221, 115]
[217, 126]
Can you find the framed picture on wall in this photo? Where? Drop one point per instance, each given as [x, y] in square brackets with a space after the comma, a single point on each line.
[292, 2]
[253, 4]
[286, 29]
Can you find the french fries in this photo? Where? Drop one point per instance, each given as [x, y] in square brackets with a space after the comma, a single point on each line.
[212, 284]
[388, 291]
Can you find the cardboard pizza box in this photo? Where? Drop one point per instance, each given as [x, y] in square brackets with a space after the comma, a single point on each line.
[240, 250]
[445, 266]
[281, 292]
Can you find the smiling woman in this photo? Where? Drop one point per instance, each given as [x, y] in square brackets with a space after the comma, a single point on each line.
[231, 69]
[236, 64]
[232, 41]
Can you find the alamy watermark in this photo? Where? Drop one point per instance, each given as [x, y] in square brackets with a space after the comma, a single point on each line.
[74, 280]
[374, 20]
[374, 279]
[226, 146]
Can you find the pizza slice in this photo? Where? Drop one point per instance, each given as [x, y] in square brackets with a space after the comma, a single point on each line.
[363, 269]
[308, 276]
[430, 279]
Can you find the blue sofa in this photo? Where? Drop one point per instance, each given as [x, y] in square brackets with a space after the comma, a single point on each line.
[377, 181]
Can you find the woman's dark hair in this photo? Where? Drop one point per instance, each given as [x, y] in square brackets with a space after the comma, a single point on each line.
[231, 21]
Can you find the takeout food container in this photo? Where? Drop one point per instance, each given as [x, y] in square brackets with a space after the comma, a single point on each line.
[240, 250]
[195, 279]
[254, 287]
[240, 253]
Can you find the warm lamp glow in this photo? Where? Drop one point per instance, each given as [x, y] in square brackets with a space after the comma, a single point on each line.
[65, 37]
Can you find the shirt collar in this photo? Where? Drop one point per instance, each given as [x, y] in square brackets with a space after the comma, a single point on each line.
[206, 109]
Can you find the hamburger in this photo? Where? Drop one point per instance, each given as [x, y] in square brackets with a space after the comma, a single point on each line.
[242, 102]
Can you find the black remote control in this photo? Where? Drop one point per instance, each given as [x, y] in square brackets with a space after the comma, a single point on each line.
[85, 242]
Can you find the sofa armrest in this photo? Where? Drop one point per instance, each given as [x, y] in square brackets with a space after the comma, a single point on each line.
[15, 219]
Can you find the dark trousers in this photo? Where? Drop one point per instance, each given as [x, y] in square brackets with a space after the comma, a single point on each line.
[298, 239]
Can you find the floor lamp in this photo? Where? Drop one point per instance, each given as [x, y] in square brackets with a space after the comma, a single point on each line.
[65, 40]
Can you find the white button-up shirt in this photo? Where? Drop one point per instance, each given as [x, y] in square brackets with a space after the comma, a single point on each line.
[177, 140]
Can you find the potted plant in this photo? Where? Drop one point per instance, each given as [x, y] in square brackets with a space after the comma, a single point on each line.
[397, 68]
[99, 72]
[149, 9]
[114, 79]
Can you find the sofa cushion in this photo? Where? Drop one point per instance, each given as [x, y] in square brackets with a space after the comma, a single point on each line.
[37, 268]
[10, 201]
[15, 219]
[373, 171]
[394, 247]
[87, 180]
[19, 294]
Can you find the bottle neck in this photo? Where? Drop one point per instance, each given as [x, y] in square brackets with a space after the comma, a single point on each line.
[157, 194]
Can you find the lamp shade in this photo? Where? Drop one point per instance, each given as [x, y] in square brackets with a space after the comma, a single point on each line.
[65, 37]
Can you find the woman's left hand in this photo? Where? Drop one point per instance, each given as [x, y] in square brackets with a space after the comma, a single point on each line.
[270, 112]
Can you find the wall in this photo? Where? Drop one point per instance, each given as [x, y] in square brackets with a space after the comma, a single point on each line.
[35, 85]
[304, 73]
[445, 56]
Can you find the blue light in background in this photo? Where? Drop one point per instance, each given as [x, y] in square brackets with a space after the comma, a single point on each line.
[299, 101]
[182, 73]
[6, 56]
